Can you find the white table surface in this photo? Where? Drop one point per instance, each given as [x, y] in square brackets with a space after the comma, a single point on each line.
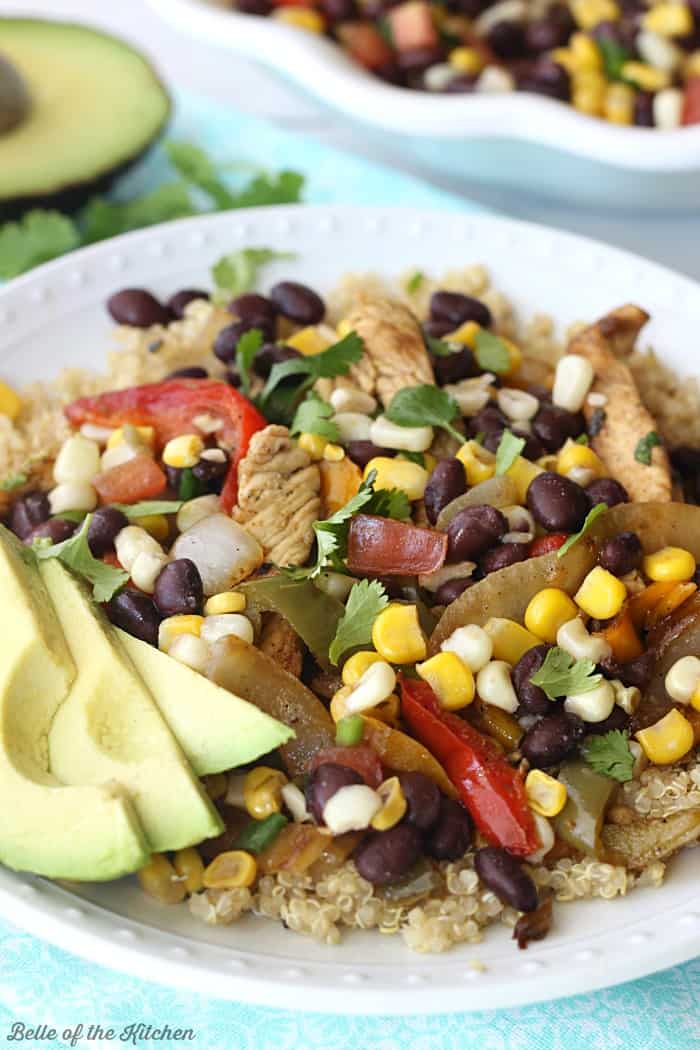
[674, 240]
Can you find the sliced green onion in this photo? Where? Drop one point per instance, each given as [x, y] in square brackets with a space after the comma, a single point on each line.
[349, 731]
[257, 835]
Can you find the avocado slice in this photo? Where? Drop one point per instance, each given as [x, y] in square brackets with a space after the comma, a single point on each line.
[215, 729]
[80, 833]
[109, 727]
[96, 106]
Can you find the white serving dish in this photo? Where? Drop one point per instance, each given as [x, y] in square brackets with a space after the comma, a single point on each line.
[515, 141]
[56, 316]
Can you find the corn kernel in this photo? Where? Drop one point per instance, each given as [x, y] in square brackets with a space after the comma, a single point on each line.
[356, 665]
[601, 594]
[10, 402]
[313, 444]
[547, 611]
[669, 565]
[695, 699]
[479, 463]
[333, 453]
[450, 679]
[546, 795]
[515, 356]
[394, 805]
[466, 334]
[397, 635]
[672, 19]
[619, 104]
[343, 328]
[174, 626]
[572, 456]
[588, 13]
[130, 435]
[225, 602]
[691, 66]
[466, 60]
[645, 77]
[510, 639]
[585, 53]
[588, 93]
[159, 879]
[667, 740]
[236, 869]
[262, 791]
[188, 864]
[308, 341]
[156, 525]
[184, 451]
[564, 58]
[398, 474]
[523, 472]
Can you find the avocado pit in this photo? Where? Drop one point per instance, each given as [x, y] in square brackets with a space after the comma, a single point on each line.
[15, 100]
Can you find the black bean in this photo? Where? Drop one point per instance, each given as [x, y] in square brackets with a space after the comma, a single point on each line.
[606, 490]
[501, 556]
[533, 700]
[644, 109]
[339, 10]
[453, 367]
[532, 449]
[686, 460]
[547, 78]
[451, 836]
[446, 483]
[226, 342]
[28, 512]
[386, 856]
[470, 8]
[423, 799]
[455, 309]
[273, 354]
[298, 302]
[252, 305]
[552, 740]
[637, 672]
[621, 554]
[389, 71]
[437, 329]
[554, 30]
[103, 529]
[323, 783]
[553, 425]
[462, 84]
[450, 590]
[177, 303]
[56, 529]
[137, 307]
[361, 452]
[557, 503]
[488, 420]
[190, 372]
[507, 39]
[178, 589]
[418, 59]
[503, 874]
[174, 476]
[211, 473]
[617, 719]
[473, 531]
[135, 613]
[254, 7]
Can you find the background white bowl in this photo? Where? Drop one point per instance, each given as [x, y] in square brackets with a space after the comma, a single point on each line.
[514, 141]
[56, 316]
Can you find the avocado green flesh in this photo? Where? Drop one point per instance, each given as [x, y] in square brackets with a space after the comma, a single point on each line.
[96, 105]
[215, 729]
[109, 727]
[48, 828]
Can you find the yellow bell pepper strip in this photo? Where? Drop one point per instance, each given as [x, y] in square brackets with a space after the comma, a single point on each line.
[403, 754]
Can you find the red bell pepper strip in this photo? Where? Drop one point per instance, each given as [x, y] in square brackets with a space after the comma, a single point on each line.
[547, 544]
[691, 101]
[490, 788]
[171, 408]
[381, 546]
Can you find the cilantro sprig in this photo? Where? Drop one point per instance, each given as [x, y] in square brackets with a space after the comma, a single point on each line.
[610, 755]
[441, 348]
[76, 555]
[278, 402]
[592, 516]
[509, 448]
[314, 416]
[492, 354]
[238, 271]
[246, 349]
[422, 406]
[415, 281]
[645, 446]
[365, 602]
[562, 675]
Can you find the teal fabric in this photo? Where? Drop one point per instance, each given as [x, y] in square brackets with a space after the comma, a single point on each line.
[40, 985]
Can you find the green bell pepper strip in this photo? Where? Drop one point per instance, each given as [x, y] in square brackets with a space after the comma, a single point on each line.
[589, 794]
[313, 614]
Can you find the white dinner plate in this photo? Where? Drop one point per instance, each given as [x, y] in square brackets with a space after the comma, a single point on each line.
[56, 315]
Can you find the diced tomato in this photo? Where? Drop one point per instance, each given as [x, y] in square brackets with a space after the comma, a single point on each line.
[691, 102]
[110, 558]
[381, 546]
[365, 44]
[364, 760]
[412, 27]
[547, 544]
[139, 478]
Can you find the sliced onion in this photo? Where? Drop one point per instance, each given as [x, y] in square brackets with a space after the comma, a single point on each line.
[382, 547]
[221, 549]
[496, 492]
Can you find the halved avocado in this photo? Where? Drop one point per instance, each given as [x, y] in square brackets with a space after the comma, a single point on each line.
[96, 106]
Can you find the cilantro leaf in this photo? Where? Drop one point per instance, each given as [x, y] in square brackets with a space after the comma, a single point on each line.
[614, 57]
[238, 271]
[102, 218]
[610, 755]
[313, 416]
[441, 348]
[509, 448]
[334, 361]
[13, 481]
[147, 507]
[263, 190]
[365, 602]
[38, 236]
[491, 352]
[562, 675]
[415, 281]
[197, 167]
[412, 457]
[642, 452]
[422, 406]
[76, 555]
[593, 514]
[246, 349]
[582, 439]
[389, 503]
